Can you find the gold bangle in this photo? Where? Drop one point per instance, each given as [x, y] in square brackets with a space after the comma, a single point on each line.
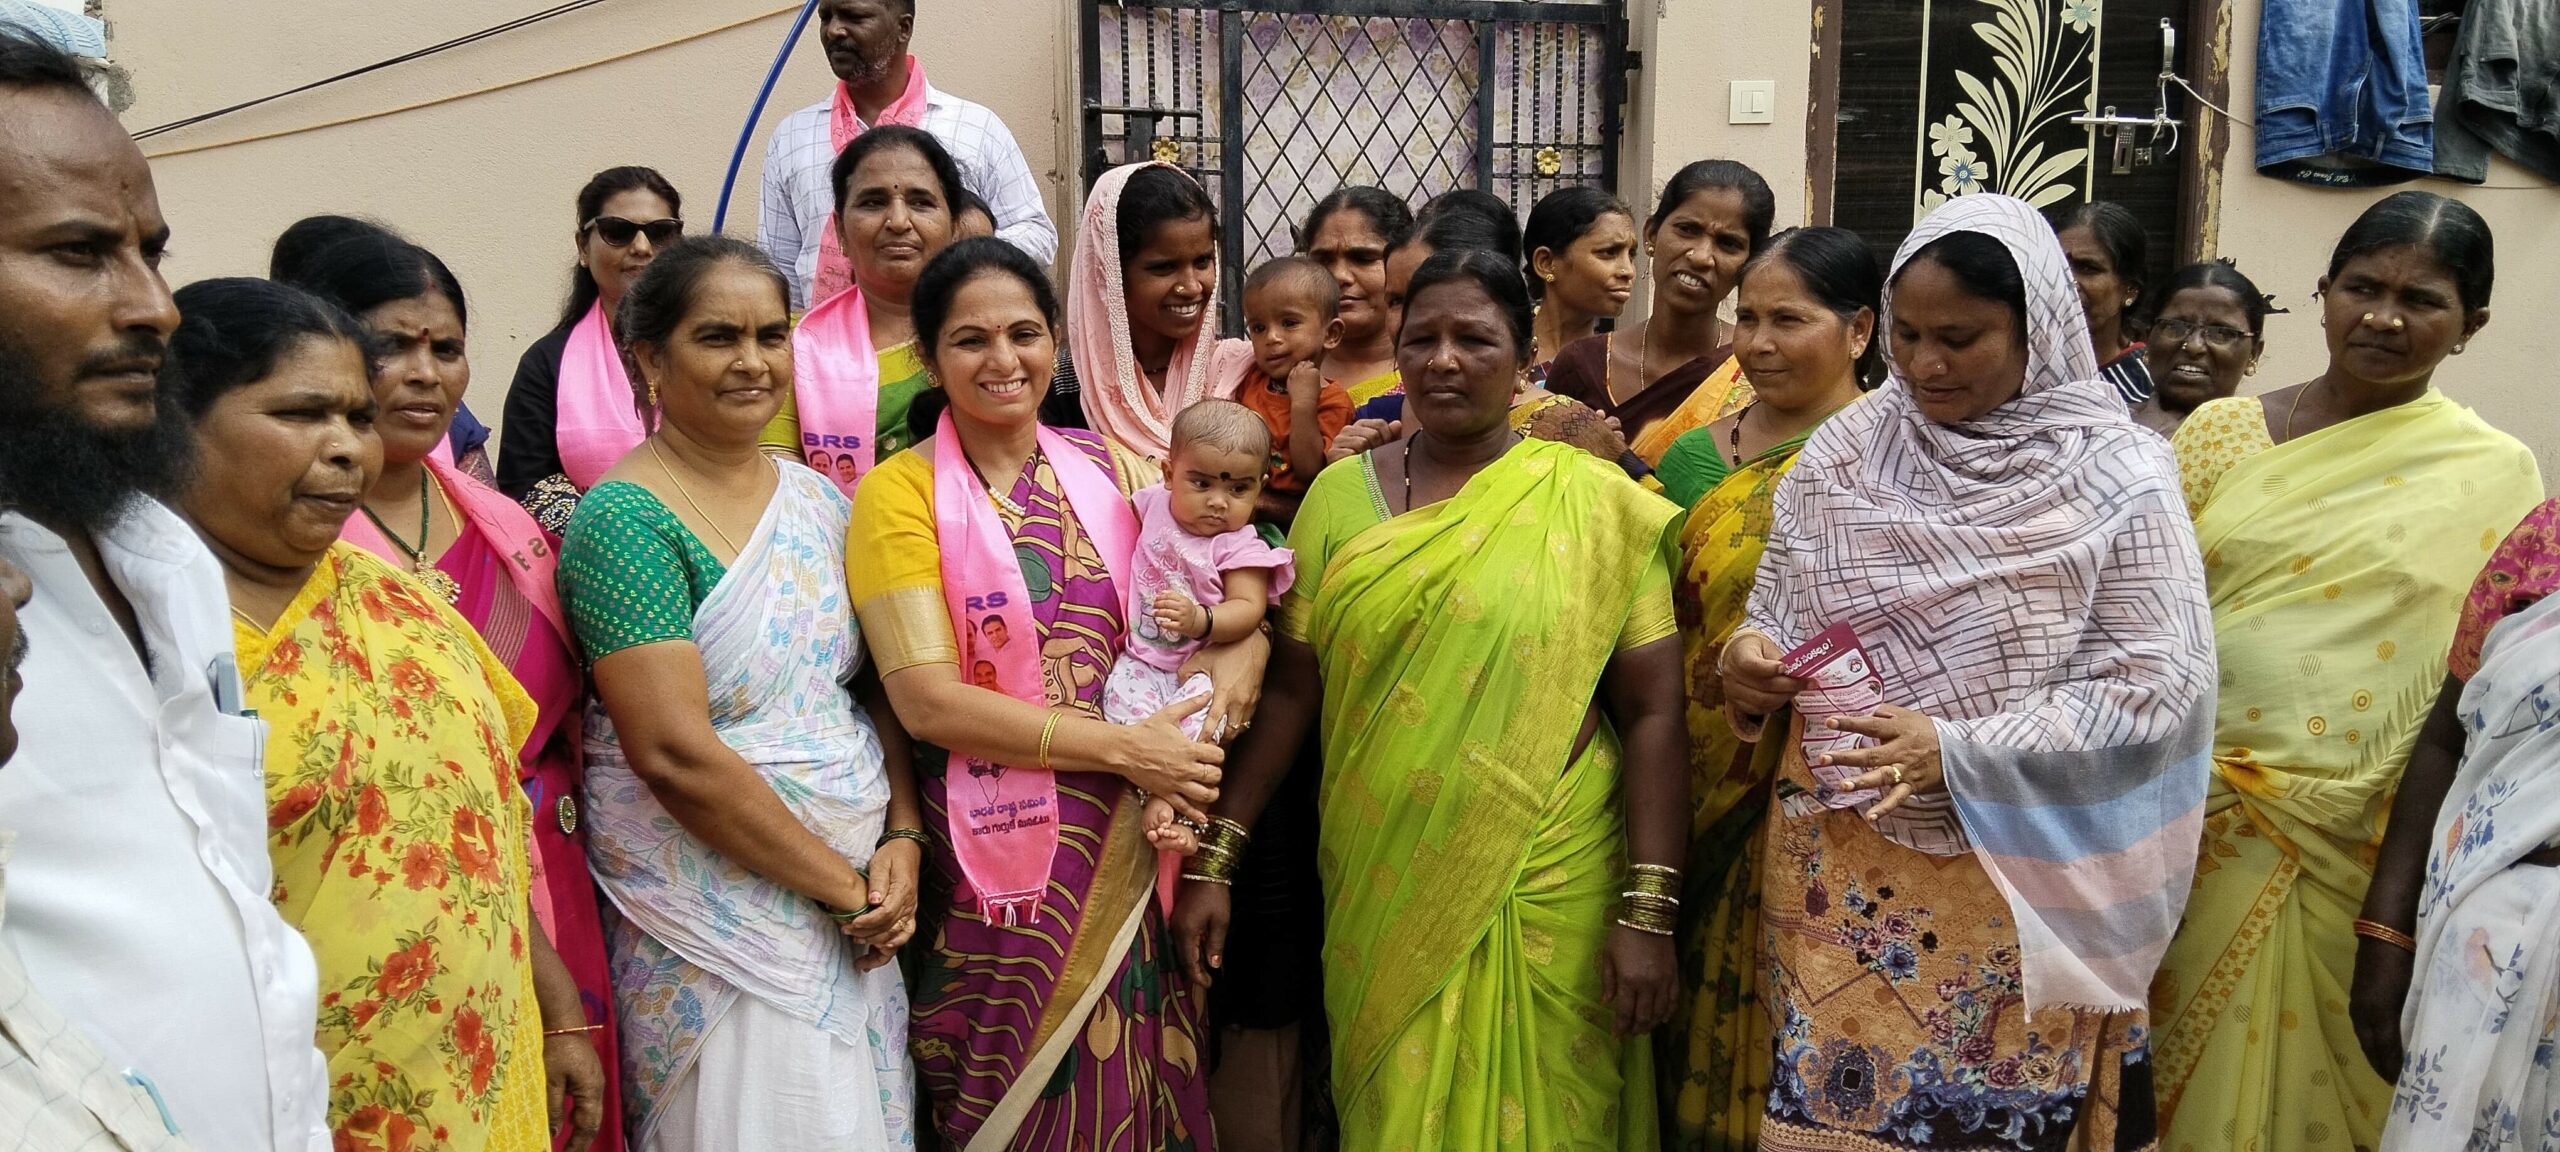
[2376, 930]
[1221, 852]
[1048, 732]
[1205, 878]
[549, 1032]
[1647, 929]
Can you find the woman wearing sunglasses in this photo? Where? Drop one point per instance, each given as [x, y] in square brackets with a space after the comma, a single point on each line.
[571, 413]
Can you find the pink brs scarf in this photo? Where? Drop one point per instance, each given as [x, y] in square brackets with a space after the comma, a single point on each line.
[835, 273]
[596, 417]
[836, 384]
[1004, 824]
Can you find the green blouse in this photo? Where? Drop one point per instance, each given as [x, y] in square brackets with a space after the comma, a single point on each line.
[630, 572]
[1692, 467]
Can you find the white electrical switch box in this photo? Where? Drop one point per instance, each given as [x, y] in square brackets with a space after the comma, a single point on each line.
[1754, 102]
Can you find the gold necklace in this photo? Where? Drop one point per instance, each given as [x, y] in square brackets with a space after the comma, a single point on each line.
[2296, 406]
[434, 579]
[1644, 367]
[678, 481]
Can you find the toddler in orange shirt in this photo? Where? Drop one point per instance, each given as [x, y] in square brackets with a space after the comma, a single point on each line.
[1289, 318]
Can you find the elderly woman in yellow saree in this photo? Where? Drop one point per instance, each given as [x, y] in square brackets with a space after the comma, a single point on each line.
[1491, 646]
[399, 831]
[2342, 521]
[1804, 331]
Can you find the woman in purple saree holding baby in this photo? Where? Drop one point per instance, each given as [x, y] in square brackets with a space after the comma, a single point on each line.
[1961, 962]
[987, 563]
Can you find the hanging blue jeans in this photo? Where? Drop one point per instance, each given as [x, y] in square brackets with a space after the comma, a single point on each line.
[2342, 93]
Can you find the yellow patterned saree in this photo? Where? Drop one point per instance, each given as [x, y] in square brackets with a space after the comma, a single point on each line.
[400, 838]
[1713, 1059]
[1471, 861]
[2336, 564]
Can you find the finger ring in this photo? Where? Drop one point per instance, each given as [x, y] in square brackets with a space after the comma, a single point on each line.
[1896, 769]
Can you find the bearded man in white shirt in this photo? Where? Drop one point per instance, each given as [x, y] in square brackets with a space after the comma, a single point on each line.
[138, 886]
[877, 82]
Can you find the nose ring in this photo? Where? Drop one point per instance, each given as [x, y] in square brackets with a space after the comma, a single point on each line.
[741, 363]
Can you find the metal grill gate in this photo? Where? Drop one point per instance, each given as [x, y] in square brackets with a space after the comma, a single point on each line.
[1274, 103]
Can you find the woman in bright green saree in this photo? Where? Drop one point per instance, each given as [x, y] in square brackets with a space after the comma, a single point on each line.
[1804, 333]
[1485, 624]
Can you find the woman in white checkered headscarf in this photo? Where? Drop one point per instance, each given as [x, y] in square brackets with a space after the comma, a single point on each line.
[2012, 552]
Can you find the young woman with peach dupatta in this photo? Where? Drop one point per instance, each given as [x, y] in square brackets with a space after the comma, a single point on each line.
[1142, 307]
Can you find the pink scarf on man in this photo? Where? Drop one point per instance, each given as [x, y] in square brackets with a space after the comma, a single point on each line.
[595, 415]
[836, 384]
[1004, 818]
[835, 273]
[1118, 402]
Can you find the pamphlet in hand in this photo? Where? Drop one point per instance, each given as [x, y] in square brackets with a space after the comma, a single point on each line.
[1839, 681]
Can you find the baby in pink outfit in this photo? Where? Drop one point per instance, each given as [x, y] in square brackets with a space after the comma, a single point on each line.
[1201, 575]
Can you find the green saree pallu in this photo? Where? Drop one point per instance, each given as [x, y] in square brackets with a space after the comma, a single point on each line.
[1471, 859]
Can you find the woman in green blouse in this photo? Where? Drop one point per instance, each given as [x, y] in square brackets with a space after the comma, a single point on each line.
[762, 849]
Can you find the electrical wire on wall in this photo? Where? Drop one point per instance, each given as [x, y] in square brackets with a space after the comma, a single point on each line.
[433, 100]
[420, 54]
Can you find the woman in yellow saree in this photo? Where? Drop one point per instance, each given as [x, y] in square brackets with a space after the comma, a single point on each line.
[1491, 645]
[2342, 521]
[1805, 331]
[399, 831]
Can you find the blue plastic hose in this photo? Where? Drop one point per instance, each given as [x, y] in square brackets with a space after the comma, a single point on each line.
[747, 132]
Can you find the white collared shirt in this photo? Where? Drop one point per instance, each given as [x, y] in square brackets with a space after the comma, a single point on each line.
[799, 201]
[57, 1091]
[140, 879]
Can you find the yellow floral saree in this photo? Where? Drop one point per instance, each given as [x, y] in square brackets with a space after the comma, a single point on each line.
[1713, 1059]
[2336, 565]
[1471, 860]
[399, 834]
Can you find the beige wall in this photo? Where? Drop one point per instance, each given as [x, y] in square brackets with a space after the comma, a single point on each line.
[487, 181]
[1680, 102]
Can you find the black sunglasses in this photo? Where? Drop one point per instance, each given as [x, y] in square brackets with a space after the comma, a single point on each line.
[619, 232]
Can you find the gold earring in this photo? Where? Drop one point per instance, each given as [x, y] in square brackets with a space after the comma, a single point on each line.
[1549, 277]
[2457, 349]
[653, 393]
[2251, 370]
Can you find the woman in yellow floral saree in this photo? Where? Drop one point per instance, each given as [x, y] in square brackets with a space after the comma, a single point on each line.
[1805, 329]
[1489, 640]
[2336, 560]
[397, 825]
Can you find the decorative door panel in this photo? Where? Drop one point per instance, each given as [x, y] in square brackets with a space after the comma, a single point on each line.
[1945, 97]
